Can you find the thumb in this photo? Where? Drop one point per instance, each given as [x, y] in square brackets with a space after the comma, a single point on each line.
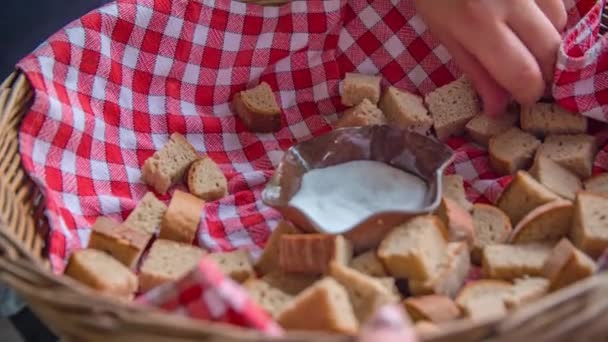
[389, 324]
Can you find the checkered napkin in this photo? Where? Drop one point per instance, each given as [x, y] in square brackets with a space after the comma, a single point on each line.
[205, 293]
[111, 87]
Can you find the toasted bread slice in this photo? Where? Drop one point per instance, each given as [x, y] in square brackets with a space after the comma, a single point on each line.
[542, 119]
[258, 108]
[147, 215]
[450, 275]
[574, 152]
[269, 260]
[597, 184]
[363, 114]
[483, 127]
[458, 221]
[369, 263]
[414, 249]
[484, 299]
[590, 223]
[507, 262]
[182, 218]
[236, 264]
[269, 298]
[522, 196]
[556, 178]
[357, 87]
[512, 150]
[312, 253]
[366, 293]
[124, 243]
[433, 308]
[492, 226]
[167, 166]
[548, 222]
[567, 265]
[102, 273]
[206, 181]
[526, 290]
[324, 306]
[452, 106]
[406, 110]
[453, 188]
[167, 261]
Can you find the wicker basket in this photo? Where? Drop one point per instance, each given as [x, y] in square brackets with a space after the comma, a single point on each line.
[74, 313]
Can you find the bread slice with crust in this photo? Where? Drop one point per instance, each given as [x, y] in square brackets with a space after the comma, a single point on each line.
[206, 180]
[543, 119]
[590, 223]
[290, 283]
[597, 184]
[182, 218]
[526, 290]
[325, 306]
[258, 108]
[507, 262]
[269, 260]
[567, 265]
[406, 110]
[369, 263]
[357, 87]
[414, 249]
[522, 196]
[512, 150]
[433, 308]
[548, 222]
[147, 215]
[366, 293]
[313, 253]
[492, 226]
[235, 264]
[484, 299]
[458, 221]
[452, 106]
[575, 152]
[453, 188]
[556, 178]
[483, 127]
[363, 114]
[450, 275]
[271, 299]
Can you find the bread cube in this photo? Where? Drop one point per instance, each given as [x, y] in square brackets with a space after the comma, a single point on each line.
[507, 262]
[101, 272]
[269, 260]
[452, 106]
[433, 308]
[542, 119]
[206, 181]
[483, 127]
[522, 196]
[453, 188]
[182, 218]
[269, 298]
[312, 253]
[325, 306]
[363, 114]
[512, 150]
[258, 109]
[548, 222]
[122, 242]
[167, 166]
[597, 184]
[369, 263]
[414, 249]
[236, 264]
[567, 265]
[406, 110]
[590, 223]
[147, 215]
[574, 152]
[357, 87]
[492, 226]
[167, 261]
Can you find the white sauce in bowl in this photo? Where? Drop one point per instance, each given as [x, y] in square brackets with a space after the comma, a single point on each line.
[341, 196]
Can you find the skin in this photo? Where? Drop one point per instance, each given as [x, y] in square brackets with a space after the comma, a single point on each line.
[389, 324]
[507, 48]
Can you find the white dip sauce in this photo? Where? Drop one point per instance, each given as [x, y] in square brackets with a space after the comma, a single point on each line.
[340, 196]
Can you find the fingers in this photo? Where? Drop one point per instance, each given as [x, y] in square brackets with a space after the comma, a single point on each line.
[493, 96]
[538, 33]
[555, 11]
[389, 324]
[506, 58]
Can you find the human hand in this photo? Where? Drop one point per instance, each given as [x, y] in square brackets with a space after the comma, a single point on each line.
[389, 324]
[507, 48]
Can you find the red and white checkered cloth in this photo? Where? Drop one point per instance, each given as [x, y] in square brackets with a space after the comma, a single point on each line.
[111, 87]
[205, 293]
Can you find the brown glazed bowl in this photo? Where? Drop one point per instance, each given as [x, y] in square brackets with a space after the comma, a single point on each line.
[409, 151]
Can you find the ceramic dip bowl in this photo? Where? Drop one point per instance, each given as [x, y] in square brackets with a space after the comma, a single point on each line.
[414, 153]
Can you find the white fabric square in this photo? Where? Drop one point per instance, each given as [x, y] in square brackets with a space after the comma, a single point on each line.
[72, 202]
[232, 42]
[68, 162]
[99, 170]
[156, 105]
[130, 57]
[163, 65]
[174, 27]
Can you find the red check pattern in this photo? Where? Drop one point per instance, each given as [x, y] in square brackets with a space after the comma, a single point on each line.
[113, 85]
[205, 293]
